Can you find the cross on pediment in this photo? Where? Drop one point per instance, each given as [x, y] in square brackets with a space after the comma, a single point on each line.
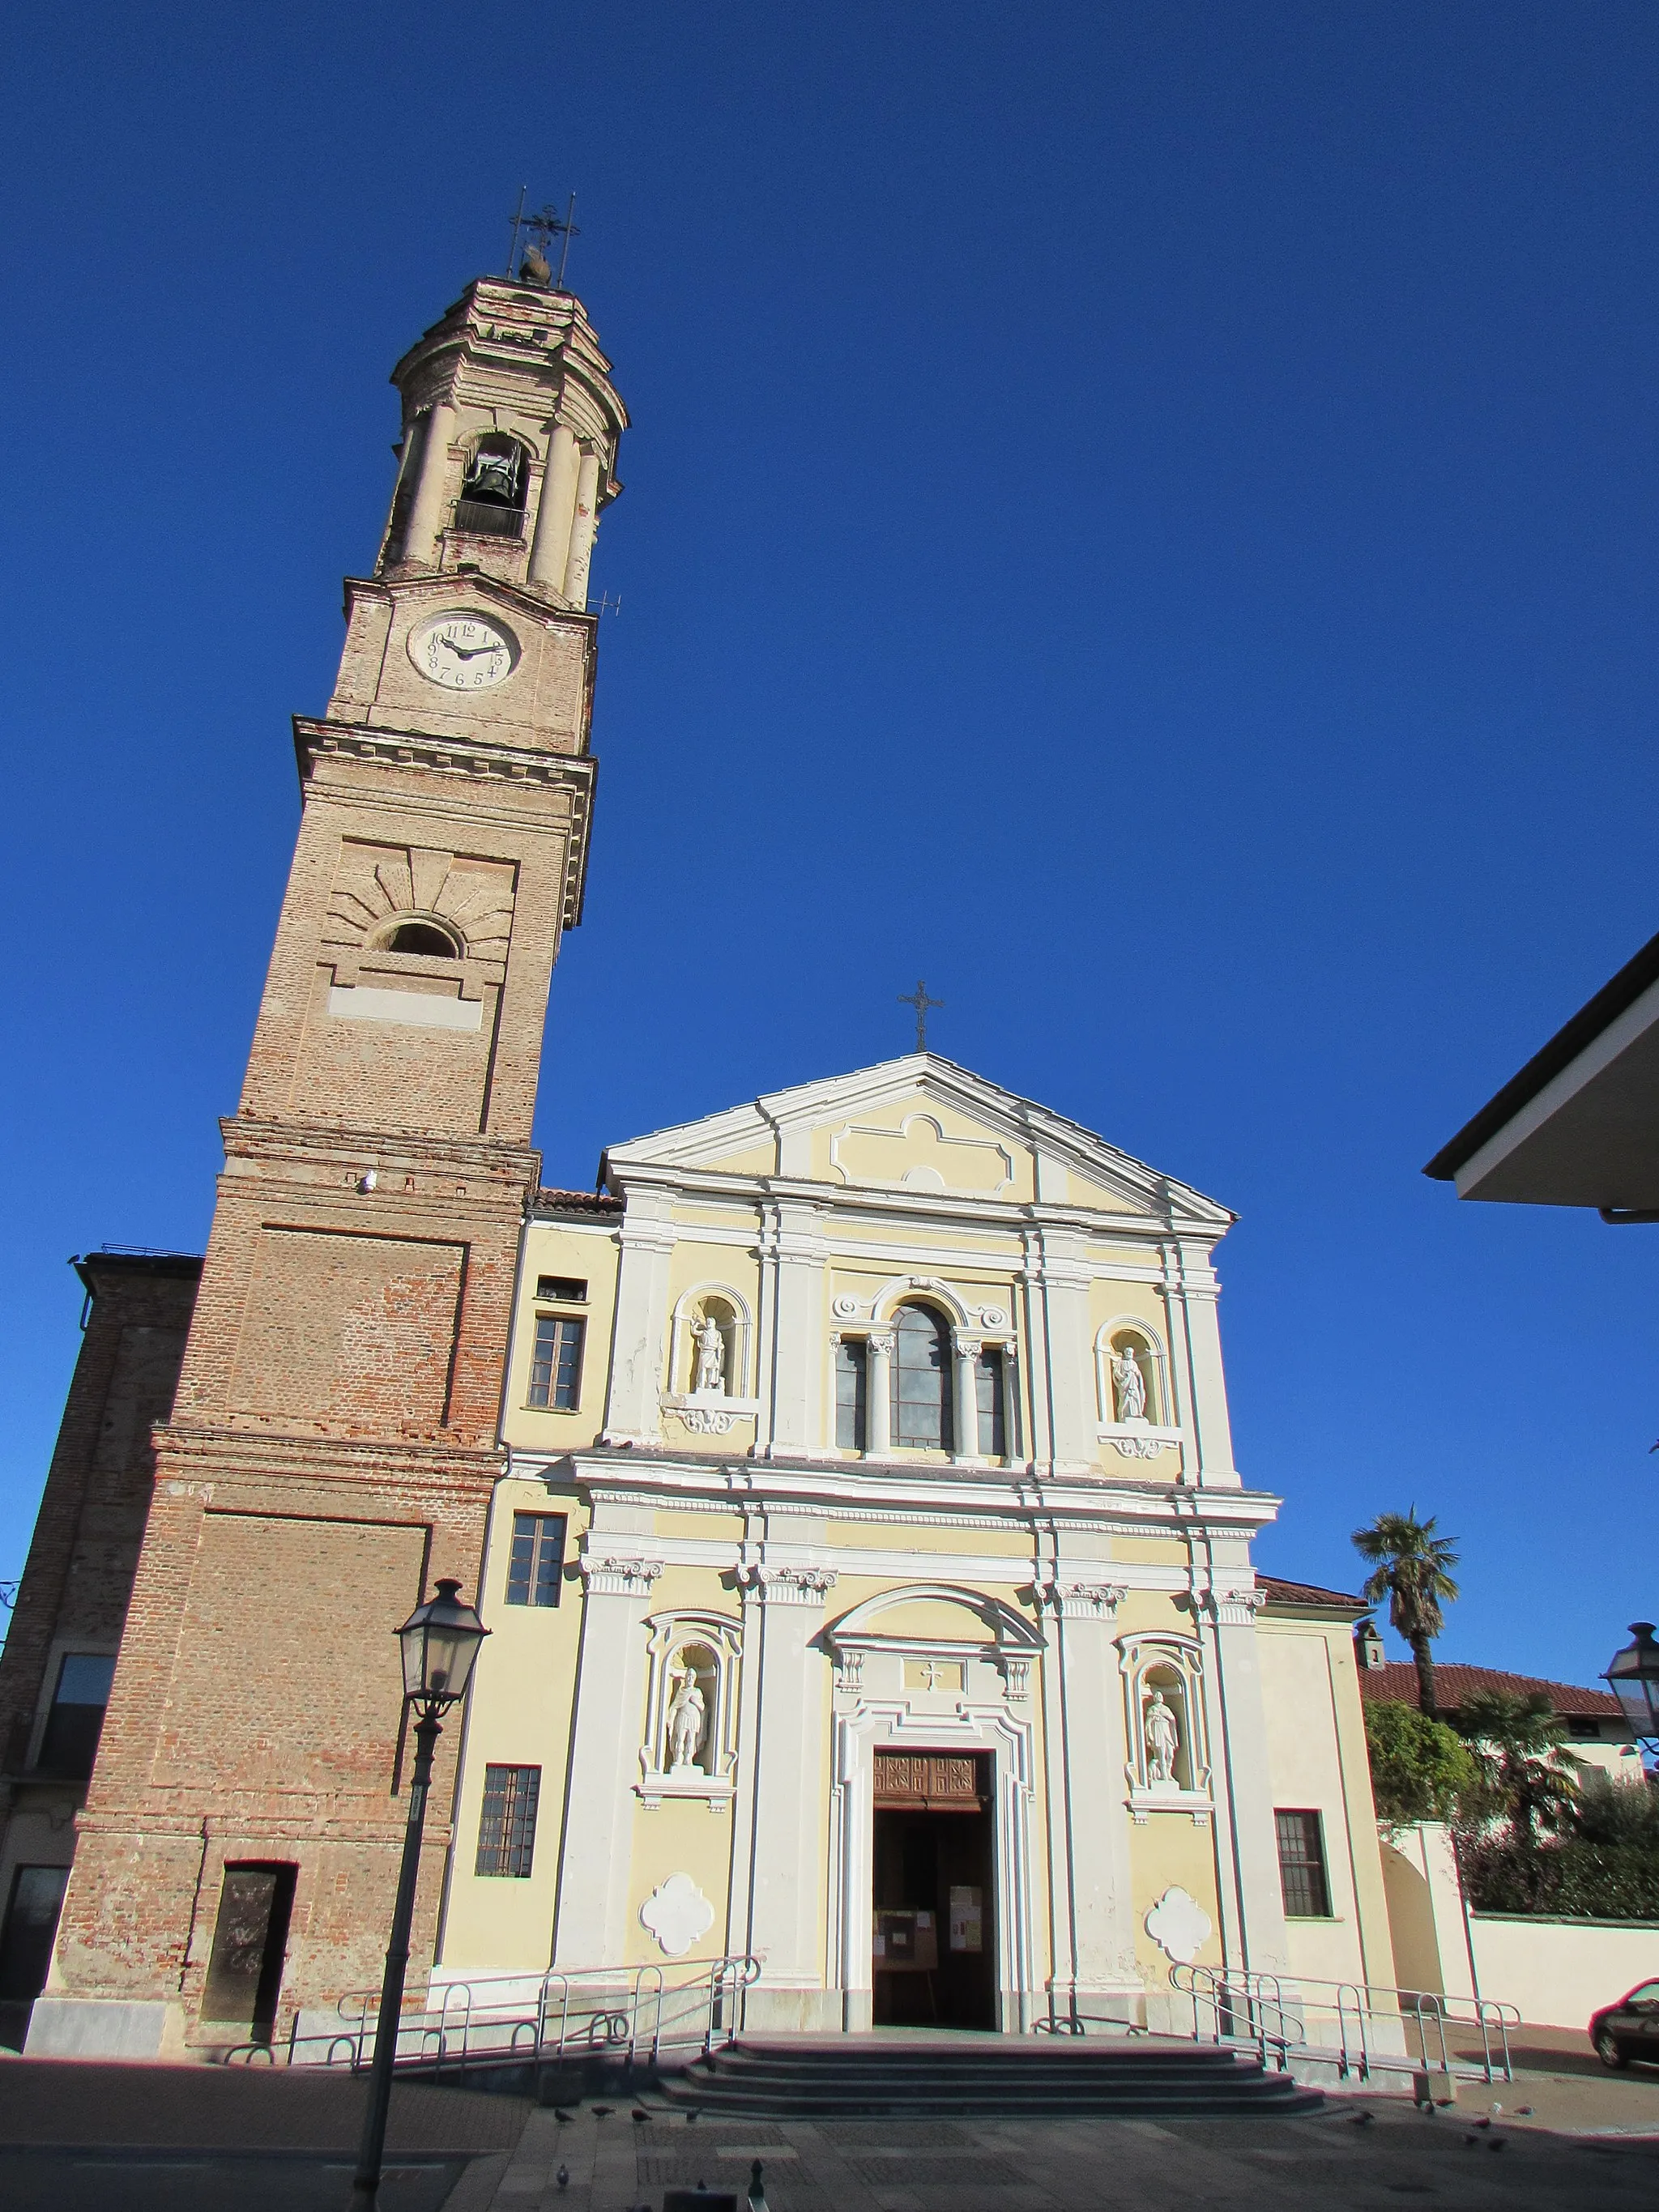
[920, 1000]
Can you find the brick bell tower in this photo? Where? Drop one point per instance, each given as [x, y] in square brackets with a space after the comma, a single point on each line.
[332, 1445]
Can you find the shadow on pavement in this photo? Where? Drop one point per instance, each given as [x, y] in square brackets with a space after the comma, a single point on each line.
[208, 2181]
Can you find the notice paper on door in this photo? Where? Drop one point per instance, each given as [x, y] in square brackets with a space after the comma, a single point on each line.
[967, 1919]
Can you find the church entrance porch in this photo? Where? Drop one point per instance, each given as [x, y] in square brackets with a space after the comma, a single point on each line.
[933, 1885]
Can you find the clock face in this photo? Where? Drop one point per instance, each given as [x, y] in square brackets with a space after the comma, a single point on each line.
[464, 652]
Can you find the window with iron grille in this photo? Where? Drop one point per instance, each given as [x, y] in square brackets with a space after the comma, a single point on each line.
[555, 1365]
[851, 1369]
[1301, 1866]
[987, 1393]
[535, 1566]
[507, 1831]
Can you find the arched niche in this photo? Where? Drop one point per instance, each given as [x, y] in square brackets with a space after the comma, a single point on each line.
[727, 1309]
[1164, 1725]
[693, 1678]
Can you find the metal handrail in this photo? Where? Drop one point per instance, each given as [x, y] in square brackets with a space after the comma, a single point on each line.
[1277, 2021]
[630, 2011]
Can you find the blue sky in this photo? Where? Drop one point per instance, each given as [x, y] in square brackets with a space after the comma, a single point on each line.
[1142, 514]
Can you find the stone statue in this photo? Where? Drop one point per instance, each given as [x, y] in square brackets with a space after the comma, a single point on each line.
[1130, 1385]
[1163, 1739]
[687, 1720]
[711, 1356]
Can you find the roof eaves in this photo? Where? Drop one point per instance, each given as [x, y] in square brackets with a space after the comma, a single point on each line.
[1563, 1048]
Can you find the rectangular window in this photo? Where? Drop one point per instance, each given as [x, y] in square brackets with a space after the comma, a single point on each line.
[71, 1743]
[564, 1289]
[535, 1566]
[987, 1392]
[851, 1394]
[555, 1365]
[1301, 1866]
[506, 1833]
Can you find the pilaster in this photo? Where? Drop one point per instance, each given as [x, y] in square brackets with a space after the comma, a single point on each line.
[596, 1848]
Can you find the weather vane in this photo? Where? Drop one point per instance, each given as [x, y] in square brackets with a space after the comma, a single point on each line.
[920, 1000]
[535, 266]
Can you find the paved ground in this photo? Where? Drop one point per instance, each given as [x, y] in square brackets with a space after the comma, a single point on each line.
[79, 2136]
[84, 2138]
[1327, 2161]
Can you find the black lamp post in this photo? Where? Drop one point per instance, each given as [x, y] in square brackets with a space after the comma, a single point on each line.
[441, 1641]
[1632, 1675]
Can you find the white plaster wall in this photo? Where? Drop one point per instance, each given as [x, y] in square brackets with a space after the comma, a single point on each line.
[1558, 1972]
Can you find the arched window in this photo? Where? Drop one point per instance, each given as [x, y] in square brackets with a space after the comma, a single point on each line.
[493, 489]
[424, 937]
[922, 1381]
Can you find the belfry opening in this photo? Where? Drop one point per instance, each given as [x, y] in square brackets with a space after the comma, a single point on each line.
[933, 1941]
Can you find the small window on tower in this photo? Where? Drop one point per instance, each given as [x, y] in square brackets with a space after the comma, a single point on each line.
[493, 489]
[425, 937]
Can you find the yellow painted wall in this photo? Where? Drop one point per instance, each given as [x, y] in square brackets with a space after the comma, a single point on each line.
[519, 1714]
[1317, 1759]
[552, 1249]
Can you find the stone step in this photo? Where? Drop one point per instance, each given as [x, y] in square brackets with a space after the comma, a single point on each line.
[854, 2079]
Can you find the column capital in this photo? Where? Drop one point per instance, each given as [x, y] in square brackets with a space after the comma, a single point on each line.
[1076, 1601]
[786, 1586]
[618, 1577]
[1230, 1609]
[881, 1342]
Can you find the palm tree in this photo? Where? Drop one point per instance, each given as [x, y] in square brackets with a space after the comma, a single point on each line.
[1518, 1746]
[1412, 1572]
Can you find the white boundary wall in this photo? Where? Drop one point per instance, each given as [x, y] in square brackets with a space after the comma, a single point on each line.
[1555, 1972]
[1558, 1972]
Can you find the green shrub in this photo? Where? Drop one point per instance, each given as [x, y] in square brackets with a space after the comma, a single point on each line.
[1421, 1770]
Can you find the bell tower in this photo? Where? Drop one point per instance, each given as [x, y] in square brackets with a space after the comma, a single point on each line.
[333, 1442]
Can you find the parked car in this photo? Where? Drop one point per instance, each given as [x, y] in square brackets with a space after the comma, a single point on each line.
[1629, 2029]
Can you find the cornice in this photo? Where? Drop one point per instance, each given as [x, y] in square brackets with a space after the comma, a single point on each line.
[279, 1457]
[470, 763]
[523, 599]
[774, 1484]
[504, 1168]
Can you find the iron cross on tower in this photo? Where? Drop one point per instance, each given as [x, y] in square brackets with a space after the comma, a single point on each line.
[540, 231]
[920, 1000]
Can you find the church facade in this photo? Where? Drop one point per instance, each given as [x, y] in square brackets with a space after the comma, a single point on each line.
[870, 1584]
[847, 1483]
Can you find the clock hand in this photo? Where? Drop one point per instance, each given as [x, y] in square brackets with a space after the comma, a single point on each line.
[471, 652]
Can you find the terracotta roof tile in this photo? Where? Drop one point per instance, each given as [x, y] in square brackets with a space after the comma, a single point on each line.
[575, 1201]
[1394, 1683]
[1283, 1593]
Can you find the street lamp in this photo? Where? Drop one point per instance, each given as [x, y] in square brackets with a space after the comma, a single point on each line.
[441, 1641]
[1632, 1675]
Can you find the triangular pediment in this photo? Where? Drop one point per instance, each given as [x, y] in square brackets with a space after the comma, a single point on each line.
[922, 1126]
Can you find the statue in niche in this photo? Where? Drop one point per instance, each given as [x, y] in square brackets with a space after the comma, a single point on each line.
[1162, 1736]
[1129, 1385]
[711, 1356]
[688, 1719]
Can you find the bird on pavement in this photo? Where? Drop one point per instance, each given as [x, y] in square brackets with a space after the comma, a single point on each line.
[602, 2111]
[640, 2117]
[563, 2119]
[562, 2177]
